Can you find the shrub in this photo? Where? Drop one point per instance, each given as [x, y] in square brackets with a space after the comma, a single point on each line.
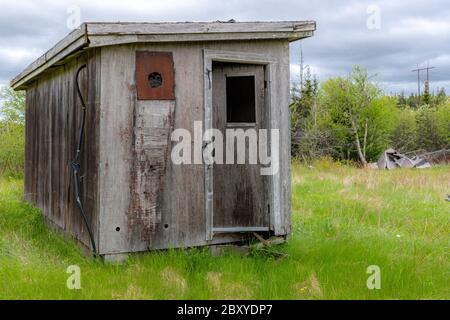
[12, 142]
[12, 146]
[403, 136]
[431, 135]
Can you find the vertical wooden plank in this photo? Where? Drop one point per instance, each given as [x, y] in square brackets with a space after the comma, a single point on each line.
[115, 146]
[283, 80]
[275, 107]
[152, 128]
[187, 211]
[208, 124]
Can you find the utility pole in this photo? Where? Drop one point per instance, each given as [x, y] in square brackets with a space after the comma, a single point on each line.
[418, 80]
[428, 74]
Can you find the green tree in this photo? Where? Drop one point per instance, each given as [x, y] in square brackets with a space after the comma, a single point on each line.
[12, 146]
[403, 135]
[303, 110]
[443, 115]
[412, 101]
[12, 142]
[349, 101]
[431, 132]
[381, 121]
[13, 108]
[426, 94]
[440, 98]
[402, 102]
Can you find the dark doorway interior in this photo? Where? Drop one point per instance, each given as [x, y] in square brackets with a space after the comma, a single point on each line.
[240, 97]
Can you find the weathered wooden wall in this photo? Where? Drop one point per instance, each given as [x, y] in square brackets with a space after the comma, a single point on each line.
[128, 221]
[53, 118]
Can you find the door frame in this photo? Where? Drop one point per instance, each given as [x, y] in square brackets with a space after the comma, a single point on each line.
[269, 64]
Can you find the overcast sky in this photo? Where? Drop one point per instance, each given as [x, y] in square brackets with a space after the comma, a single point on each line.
[389, 38]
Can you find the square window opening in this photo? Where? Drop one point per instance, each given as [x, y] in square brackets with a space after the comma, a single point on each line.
[240, 95]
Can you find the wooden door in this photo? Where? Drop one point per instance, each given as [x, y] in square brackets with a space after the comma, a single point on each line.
[240, 192]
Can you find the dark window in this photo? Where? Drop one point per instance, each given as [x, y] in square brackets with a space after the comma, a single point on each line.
[241, 99]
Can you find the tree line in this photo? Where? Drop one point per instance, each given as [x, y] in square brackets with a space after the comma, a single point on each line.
[351, 119]
[346, 118]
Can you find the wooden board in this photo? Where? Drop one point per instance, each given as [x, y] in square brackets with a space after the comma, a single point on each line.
[127, 28]
[153, 123]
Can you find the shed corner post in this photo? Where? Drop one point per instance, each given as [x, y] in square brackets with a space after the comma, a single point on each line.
[275, 194]
[207, 124]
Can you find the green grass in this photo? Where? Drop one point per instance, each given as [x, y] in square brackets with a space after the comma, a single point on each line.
[344, 219]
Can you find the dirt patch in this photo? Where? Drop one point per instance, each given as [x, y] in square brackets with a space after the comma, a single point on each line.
[174, 281]
[227, 290]
[309, 289]
[133, 293]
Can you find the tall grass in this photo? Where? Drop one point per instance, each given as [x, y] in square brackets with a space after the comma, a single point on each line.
[344, 219]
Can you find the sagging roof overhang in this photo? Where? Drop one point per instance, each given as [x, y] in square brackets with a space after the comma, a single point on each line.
[96, 34]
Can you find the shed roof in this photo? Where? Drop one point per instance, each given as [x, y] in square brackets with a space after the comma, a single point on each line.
[96, 34]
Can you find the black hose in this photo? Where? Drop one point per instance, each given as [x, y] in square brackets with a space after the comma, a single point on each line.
[76, 167]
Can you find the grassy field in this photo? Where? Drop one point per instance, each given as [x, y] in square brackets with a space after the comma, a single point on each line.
[344, 219]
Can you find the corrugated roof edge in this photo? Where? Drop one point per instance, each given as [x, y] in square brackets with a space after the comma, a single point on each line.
[98, 34]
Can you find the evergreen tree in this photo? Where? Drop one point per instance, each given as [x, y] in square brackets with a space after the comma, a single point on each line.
[440, 98]
[426, 94]
[302, 107]
[401, 100]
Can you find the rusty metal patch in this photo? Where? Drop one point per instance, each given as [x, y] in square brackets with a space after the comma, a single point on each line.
[155, 78]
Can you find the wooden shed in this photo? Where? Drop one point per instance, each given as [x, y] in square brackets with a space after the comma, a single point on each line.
[124, 88]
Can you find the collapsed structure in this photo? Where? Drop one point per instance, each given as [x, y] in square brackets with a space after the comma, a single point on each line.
[391, 159]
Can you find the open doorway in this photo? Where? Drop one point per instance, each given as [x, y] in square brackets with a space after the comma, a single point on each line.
[238, 94]
[240, 201]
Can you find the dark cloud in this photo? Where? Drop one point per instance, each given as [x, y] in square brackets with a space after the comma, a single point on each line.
[410, 33]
